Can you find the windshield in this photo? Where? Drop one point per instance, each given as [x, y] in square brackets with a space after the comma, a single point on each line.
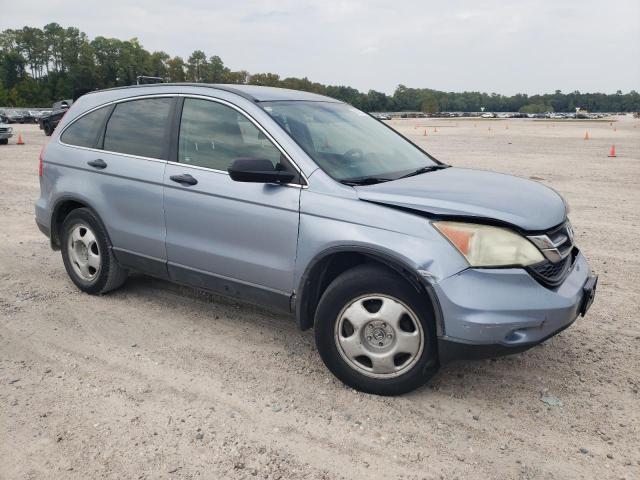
[347, 143]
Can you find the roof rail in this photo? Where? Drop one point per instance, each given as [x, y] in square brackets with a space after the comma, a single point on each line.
[216, 86]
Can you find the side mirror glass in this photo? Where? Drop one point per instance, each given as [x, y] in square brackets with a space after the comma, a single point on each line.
[257, 170]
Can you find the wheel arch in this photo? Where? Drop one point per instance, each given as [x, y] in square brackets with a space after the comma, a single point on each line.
[330, 263]
[62, 208]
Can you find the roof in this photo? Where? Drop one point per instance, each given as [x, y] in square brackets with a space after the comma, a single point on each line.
[254, 93]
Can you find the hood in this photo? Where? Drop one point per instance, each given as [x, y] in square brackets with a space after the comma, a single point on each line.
[473, 193]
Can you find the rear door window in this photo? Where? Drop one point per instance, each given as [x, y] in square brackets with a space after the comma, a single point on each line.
[85, 131]
[140, 127]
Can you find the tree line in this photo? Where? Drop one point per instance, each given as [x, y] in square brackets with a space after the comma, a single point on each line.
[41, 65]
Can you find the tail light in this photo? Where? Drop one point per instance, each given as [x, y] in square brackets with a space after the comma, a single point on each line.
[40, 158]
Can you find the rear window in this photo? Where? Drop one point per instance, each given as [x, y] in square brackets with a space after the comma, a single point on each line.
[139, 127]
[85, 131]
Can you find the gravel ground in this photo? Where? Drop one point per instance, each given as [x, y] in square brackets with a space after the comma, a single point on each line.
[160, 381]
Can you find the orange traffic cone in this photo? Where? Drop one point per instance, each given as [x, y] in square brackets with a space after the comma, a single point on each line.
[586, 135]
[425, 133]
[20, 140]
[435, 129]
[615, 129]
[612, 153]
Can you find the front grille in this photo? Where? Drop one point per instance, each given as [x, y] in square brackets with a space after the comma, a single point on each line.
[4, 129]
[557, 247]
[552, 274]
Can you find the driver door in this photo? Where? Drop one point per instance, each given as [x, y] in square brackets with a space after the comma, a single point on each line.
[233, 237]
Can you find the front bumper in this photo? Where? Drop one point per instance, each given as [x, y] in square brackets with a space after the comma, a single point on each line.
[5, 135]
[489, 312]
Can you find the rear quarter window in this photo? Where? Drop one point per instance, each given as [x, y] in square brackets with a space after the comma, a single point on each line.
[139, 127]
[85, 131]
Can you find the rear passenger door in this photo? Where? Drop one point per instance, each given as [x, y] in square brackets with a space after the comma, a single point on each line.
[126, 171]
[236, 238]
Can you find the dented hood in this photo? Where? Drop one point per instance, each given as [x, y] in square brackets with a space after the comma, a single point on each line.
[469, 193]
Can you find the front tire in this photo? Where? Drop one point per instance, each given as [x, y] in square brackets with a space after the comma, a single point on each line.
[87, 254]
[47, 129]
[376, 332]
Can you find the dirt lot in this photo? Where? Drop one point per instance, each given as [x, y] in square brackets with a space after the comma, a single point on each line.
[159, 381]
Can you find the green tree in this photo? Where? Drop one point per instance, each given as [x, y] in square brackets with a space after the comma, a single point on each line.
[197, 66]
[536, 108]
[265, 79]
[158, 65]
[216, 71]
[429, 104]
[176, 69]
[49, 63]
[12, 68]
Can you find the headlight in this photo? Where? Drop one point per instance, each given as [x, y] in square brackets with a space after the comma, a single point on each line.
[486, 246]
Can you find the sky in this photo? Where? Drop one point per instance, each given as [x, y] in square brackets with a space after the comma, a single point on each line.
[498, 46]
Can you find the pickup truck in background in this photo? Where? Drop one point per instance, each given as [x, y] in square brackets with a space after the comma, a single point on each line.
[49, 122]
[6, 132]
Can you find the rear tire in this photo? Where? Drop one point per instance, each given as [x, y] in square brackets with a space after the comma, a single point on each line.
[87, 254]
[47, 129]
[4, 141]
[376, 332]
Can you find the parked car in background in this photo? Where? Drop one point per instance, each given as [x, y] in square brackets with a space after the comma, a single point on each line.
[40, 120]
[27, 117]
[15, 116]
[6, 132]
[50, 122]
[308, 205]
[35, 115]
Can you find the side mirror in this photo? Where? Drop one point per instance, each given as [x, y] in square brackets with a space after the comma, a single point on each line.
[257, 170]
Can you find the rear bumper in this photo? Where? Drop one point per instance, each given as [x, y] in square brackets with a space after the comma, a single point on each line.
[44, 229]
[43, 217]
[492, 312]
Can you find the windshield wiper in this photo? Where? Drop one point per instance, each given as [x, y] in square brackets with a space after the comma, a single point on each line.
[373, 180]
[364, 181]
[428, 168]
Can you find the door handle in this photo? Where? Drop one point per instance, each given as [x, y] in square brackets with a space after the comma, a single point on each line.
[184, 179]
[99, 163]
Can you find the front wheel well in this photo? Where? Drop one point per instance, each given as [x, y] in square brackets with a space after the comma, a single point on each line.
[322, 272]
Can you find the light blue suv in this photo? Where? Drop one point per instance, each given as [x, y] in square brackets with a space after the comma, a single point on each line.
[305, 204]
